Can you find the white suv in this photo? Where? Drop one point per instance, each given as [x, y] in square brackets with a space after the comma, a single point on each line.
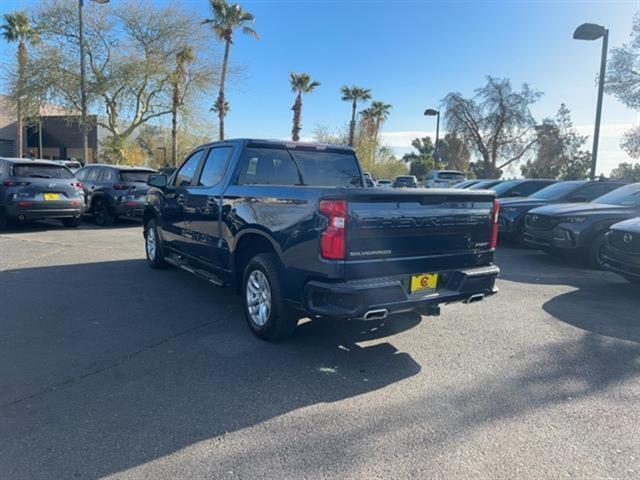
[443, 178]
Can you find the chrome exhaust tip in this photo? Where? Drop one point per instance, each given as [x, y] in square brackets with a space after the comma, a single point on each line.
[475, 298]
[380, 314]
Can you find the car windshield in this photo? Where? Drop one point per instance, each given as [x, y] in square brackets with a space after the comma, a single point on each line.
[555, 191]
[135, 176]
[451, 176]
[41, 171]
[625, 196]
[505, 186]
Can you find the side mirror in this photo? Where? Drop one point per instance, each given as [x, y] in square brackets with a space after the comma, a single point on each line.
[158, 181]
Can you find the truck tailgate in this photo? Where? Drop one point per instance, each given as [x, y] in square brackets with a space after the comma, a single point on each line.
[419, 230]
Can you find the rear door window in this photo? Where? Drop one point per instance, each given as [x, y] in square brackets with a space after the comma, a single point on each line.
[214, 166]
[268, 166]
[92, 174]
[41, 171]
[109, 175]
[135, 176]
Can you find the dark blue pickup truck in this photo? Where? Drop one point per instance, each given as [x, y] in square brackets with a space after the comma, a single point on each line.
[293, 228]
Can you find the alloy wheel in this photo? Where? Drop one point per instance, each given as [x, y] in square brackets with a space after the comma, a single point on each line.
[258, 298]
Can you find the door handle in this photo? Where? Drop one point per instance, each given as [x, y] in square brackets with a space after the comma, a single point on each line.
[180, 199]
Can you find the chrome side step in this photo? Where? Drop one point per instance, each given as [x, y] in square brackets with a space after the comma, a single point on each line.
[180, 262]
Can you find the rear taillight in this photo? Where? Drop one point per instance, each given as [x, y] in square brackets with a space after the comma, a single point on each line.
[13, 183]
[78, 185]
[121, 186]
[333, 238]
[493, 243]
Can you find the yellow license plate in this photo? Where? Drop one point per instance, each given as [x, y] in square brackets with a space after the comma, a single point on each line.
[52, 196]
[424, 281]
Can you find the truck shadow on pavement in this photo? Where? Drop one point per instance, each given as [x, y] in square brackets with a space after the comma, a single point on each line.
[599, 302]
[107, 366]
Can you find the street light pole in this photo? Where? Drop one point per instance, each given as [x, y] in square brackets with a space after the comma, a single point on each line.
[596, 133]
[83, 83]
[430, 112]
[83, 88]
[591, 31]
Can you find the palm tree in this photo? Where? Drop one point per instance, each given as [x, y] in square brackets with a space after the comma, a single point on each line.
[300, 83]
[354, 95]
[226, 18]
[17, 28]
[184, 57]
[379, 113]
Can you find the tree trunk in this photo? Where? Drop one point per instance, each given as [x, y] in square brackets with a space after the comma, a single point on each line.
[174, 137]
[22, 60]
[297, 117]
[352, 124]
[375, 139]
[221, 102]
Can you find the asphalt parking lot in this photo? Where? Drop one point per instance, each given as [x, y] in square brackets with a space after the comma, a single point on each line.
[111, 369]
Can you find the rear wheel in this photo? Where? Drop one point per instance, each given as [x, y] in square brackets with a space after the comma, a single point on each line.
[102, 214]
[71, 222]
[263, 301]
[153, 245]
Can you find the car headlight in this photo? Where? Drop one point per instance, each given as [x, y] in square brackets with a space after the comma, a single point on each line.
[572, 219]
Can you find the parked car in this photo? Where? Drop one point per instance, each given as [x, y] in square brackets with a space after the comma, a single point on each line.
[385, 183]
[406, 181]
[168, 171]
[622, 249]
[485, 184]
[39, 189]
[291, 228]
[520, 188]
[443, 178]
[466, 183]
[513, 210]
[369, 180]
[114, 190]
[581, 227]
[72, 165]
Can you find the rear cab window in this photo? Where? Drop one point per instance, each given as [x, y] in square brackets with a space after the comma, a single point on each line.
[282, 166]
[41, 171]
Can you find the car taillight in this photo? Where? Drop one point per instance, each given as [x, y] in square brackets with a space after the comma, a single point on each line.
[13, 183]
[333, 238]
[121, 186]
[493, 243]
[78, 185]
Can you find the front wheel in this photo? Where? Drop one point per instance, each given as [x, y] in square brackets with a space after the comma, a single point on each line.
[263, 301]
[595, 252]
[153, 246]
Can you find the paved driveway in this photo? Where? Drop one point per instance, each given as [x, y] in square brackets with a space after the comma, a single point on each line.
[111, 369]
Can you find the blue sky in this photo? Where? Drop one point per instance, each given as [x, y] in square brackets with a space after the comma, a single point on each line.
[411, 54]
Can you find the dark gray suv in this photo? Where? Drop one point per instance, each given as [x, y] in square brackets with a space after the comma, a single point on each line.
[39, 189]
[114, 190]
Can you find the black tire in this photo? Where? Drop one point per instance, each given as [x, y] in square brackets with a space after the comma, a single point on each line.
[593, 254]
[102, 213]
[155, 256]
[3, 221]
[71, 222]
[280, 320]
